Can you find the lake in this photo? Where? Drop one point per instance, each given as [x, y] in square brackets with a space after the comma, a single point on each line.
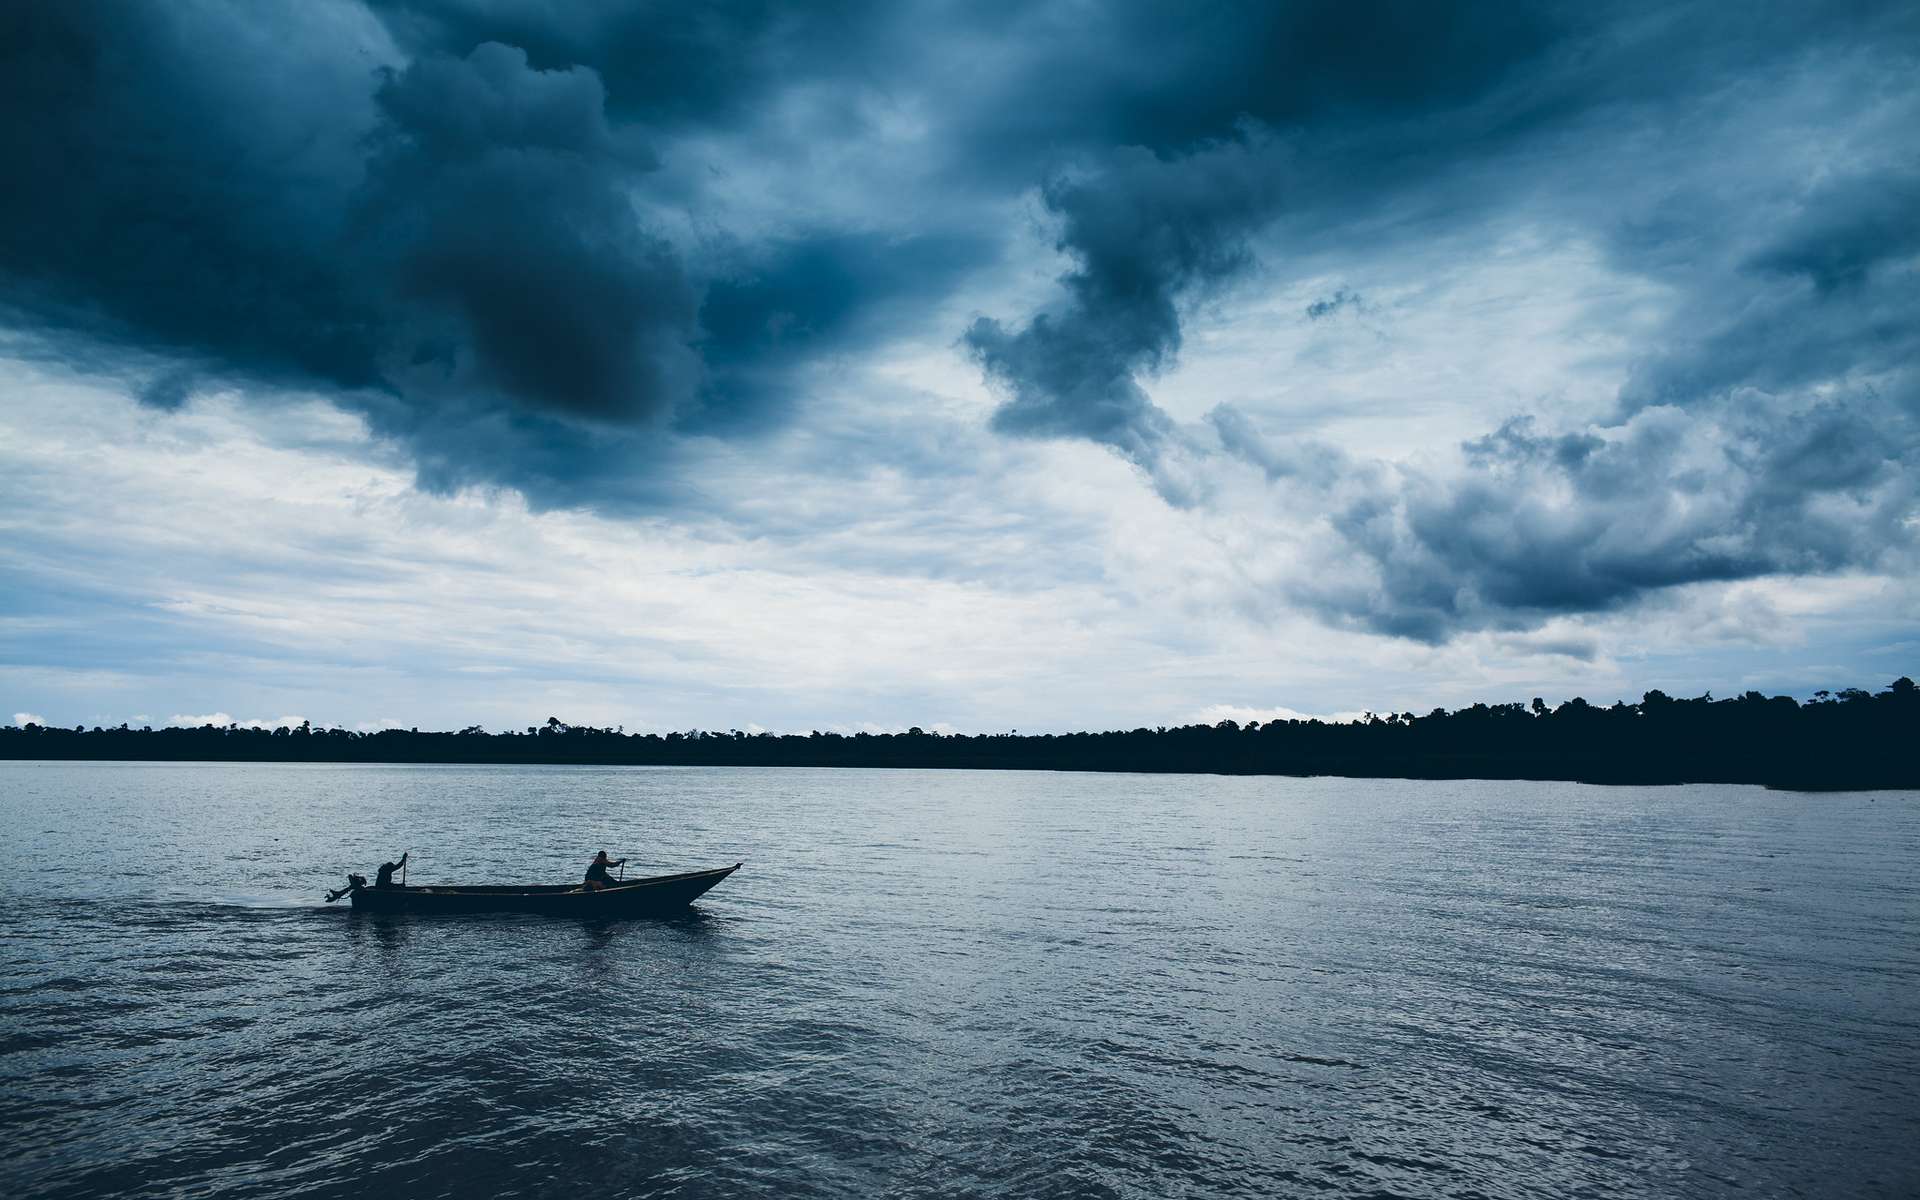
[957, 984]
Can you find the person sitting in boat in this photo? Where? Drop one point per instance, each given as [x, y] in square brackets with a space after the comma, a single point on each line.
[597, 876]
[383, 878]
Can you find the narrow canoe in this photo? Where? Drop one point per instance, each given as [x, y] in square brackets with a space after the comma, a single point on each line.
[657, 896]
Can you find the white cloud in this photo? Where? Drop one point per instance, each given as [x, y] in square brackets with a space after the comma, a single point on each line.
[183, 721]
[222, 720]
[1213, 714]
[27, 718]
[1395, 379]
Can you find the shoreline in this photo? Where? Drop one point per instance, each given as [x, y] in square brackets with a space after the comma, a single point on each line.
[1808, 787]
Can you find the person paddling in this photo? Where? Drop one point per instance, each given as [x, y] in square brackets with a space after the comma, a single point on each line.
[383, 878]
[597, 876]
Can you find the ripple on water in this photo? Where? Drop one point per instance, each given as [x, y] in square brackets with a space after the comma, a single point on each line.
[949, 984]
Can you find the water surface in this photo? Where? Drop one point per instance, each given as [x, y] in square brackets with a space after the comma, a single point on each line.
[957, 984]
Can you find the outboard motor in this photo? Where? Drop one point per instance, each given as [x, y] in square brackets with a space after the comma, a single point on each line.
[354, 884]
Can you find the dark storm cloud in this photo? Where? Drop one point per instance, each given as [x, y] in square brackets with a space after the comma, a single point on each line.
[1827, 297]
[494, 203]
[1545, 525]
[450, 243]
[1848, 227]
[1170, 77]
[790, 301]
[665, 64]
[1016, 83]
[1143, 232]
[166, 191]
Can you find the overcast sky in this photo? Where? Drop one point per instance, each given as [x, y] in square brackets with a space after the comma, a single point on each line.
[969, 365]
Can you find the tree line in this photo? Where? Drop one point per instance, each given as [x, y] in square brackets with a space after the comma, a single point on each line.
[1837, 740]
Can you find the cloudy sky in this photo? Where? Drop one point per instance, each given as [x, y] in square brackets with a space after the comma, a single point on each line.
[970, 365]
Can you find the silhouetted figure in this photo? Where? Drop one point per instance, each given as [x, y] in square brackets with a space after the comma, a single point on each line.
[597, 876]
[383, 878]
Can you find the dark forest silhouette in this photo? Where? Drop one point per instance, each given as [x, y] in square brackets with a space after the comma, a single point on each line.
[1849, 739]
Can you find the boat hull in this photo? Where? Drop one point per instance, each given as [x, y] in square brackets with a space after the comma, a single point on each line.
[661, 895]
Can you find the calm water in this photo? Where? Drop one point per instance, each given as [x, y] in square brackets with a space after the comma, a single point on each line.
[958, 984]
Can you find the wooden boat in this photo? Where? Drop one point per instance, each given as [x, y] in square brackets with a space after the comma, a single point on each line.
[660, 895]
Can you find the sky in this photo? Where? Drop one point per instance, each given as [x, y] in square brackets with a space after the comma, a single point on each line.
[976, 366]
